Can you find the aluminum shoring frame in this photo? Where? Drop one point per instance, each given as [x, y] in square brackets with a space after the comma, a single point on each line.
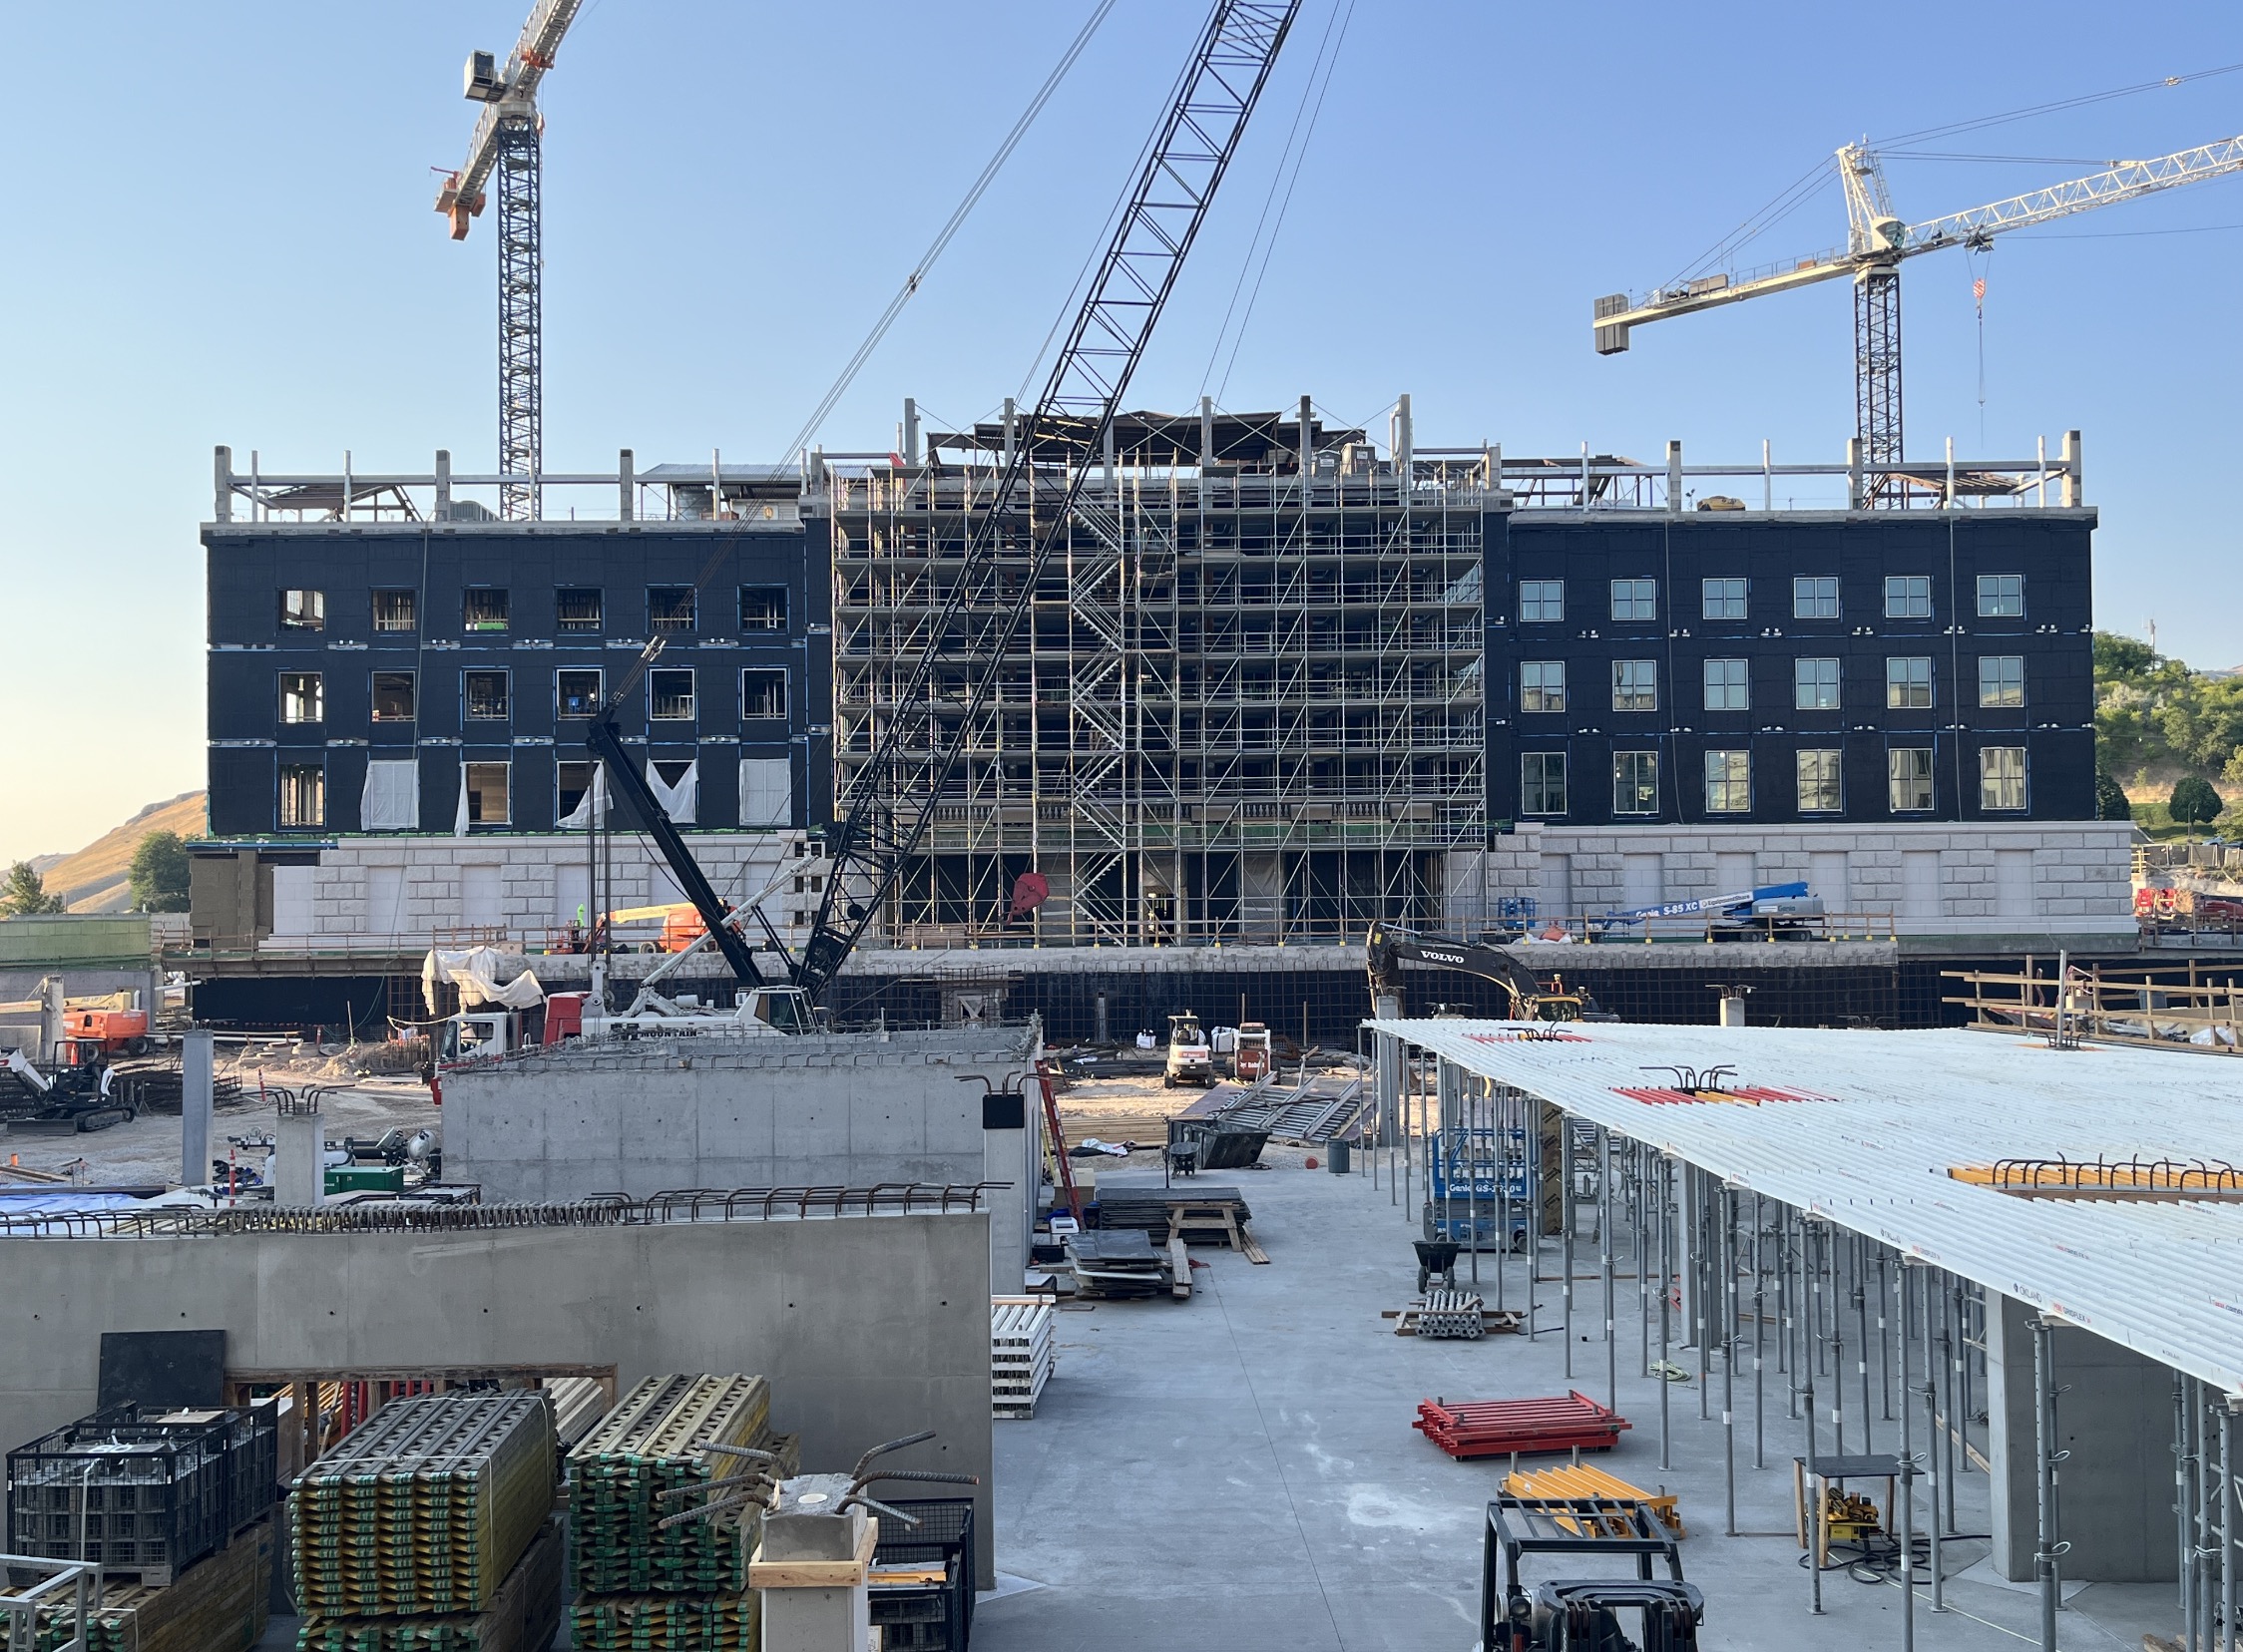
[881, 821]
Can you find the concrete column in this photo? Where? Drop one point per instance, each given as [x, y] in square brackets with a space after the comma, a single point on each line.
[1405, 442]
[50, 1019]
[2073, 491]
[1387, 1060]
[1308, 445]
[1006, 1142]
[1012, 430]
[443, 494]
[299, 1150]
[1854, 473]
[1206, 430]
[910, 431]
[194, 1109]
[2116, 1422]
[221, 484]
[1732, 1006]
[1674, 479]
[1110, 458]
[626, 483]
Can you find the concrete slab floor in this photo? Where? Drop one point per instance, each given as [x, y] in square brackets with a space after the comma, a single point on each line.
[1240, 1471]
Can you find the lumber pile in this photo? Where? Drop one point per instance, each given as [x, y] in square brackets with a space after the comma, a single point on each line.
[1148, 1208]
[1585, 1482]
[218, 1604]
[1021, 1355]
[1493, 1428]
[521, 1617]
[424, 1511]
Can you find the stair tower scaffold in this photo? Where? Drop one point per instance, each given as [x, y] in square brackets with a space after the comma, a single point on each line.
[888, 804]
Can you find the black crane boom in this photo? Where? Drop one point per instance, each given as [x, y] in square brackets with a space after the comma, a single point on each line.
[917, 742]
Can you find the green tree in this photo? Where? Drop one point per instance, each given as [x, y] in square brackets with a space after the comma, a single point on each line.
[159, 873]
[2194, 803]
[2111, 798]
[23, 894]
[2122, 659]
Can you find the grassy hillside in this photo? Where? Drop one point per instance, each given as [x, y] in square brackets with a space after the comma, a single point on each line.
[93, 879]
[2156, 721]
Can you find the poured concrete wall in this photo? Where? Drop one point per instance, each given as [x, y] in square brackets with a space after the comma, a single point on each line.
[657, 1115]
[2114, 1416]
[868, 1328]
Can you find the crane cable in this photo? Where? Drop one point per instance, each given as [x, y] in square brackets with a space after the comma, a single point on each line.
[904, 294]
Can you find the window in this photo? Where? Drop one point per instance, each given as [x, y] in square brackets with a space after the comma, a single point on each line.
[1541, 783]
[393, 696]
[1636, 685]
[764, 693]
[1725, 685]
[484, 608]
[1542, 686]
[2000, 596]
[486, 696]
[575, 610]
[303, 611]
[576, 694]
[2002, 777]
[1722, 598]
[1814, 684]
[1636, 782]
[1908, 596]
[303, 794]
[670, 608]
[1728, 783]
[1820, 786]
[1814, 597]
[670, 696]
[396, 610]
[1635, 598]
[1908, 684]
[762, 607]
[2002, 680]
[1542, 600]
[303, 697]
[569, 782]
[489, 794]
[1908, 773]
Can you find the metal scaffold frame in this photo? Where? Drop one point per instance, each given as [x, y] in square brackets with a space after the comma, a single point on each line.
[1241, 708]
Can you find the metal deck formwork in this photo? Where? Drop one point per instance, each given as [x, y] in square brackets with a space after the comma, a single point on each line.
[1246, 704]
[1897, 1137]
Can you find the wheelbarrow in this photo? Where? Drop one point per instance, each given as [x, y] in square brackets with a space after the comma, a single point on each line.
[1437, 1258]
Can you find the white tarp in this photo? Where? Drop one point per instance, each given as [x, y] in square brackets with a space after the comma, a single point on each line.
[459, 816]
[390, 801]
[681, 801]
[476, 973]
[592, 807]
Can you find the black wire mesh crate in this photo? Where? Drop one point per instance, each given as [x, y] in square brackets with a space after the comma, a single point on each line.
[922, 1583]
[133, 1490]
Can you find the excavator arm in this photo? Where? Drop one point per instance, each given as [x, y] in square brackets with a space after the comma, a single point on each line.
[1389, 948]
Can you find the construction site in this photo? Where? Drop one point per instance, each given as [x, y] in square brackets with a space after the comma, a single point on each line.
[1143, 1028]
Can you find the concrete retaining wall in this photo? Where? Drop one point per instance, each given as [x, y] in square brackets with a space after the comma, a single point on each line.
[868, 1328]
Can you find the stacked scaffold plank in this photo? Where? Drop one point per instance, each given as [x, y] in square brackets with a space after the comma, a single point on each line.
[215, 1605]
[684, 1589]
[521, 1617]
[1491, 1427]
[1021, 1355]
[425, 1508]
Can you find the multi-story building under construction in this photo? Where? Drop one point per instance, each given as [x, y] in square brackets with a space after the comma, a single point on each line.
[1245, 701]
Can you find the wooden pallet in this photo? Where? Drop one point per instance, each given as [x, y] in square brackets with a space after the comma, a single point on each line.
[1581, 1480]
[1218, 1217]
[218, 1604]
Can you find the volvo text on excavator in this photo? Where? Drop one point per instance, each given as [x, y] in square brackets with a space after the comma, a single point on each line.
[1531, 998]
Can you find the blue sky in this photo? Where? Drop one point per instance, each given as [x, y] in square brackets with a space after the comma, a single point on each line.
[224, 233]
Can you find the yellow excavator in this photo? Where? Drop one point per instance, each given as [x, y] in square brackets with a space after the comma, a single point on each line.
[1532, 997]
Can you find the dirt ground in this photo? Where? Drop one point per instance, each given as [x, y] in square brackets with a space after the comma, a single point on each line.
[145, 1151]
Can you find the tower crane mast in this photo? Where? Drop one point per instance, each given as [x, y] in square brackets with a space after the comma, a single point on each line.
[915, 747]
[1877, 240]
[506, 145]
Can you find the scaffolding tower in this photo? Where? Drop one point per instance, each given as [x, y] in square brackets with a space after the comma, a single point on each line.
[1247, 704]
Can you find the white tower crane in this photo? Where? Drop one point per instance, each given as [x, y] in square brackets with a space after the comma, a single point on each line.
[506, 142]
[1876, 243]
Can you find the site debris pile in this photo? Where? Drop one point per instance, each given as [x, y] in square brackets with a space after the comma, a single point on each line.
[649, 1587]
[429, 1528]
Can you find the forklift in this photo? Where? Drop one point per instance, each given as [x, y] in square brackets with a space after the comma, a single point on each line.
[1583, 1614]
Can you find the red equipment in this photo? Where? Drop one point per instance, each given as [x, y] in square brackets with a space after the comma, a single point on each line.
[1495, 1428]
[113, 1029]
